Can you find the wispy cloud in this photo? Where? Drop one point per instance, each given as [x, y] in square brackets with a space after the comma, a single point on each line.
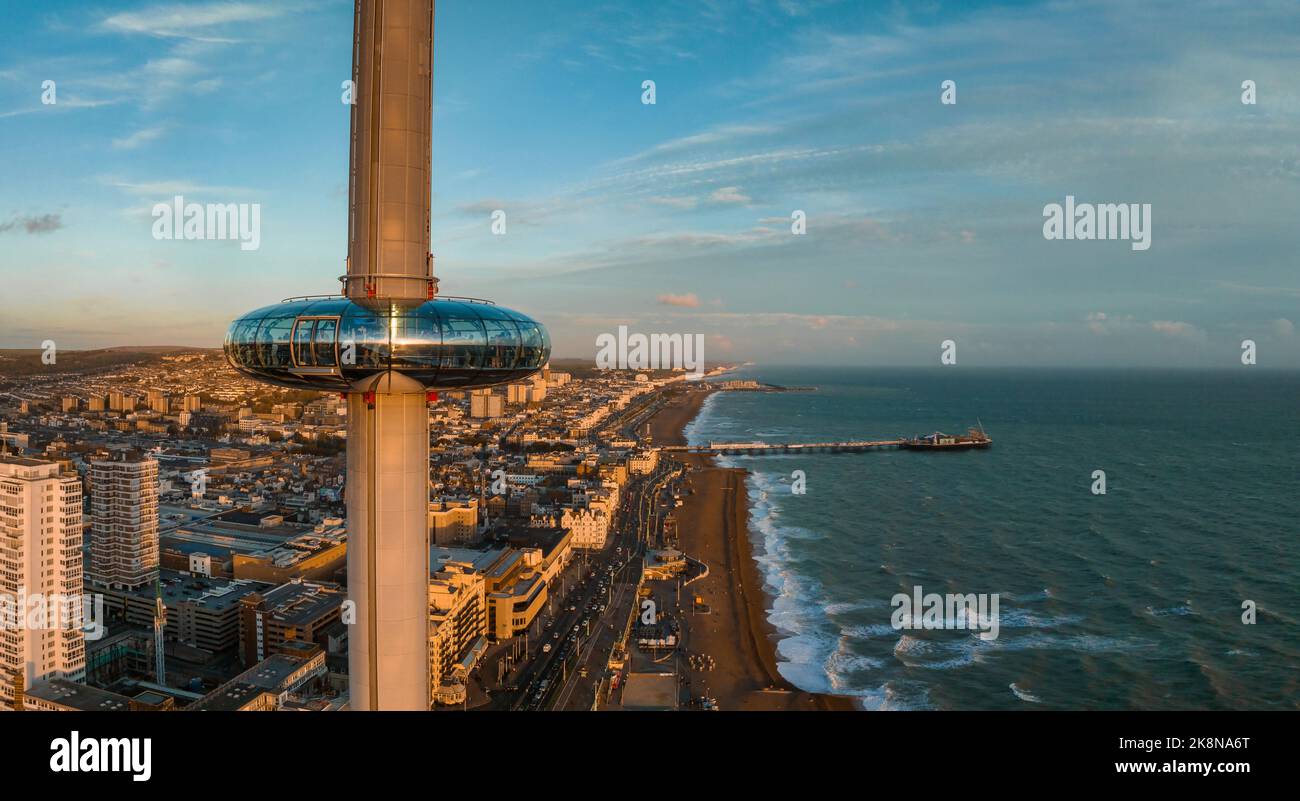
[171, 187]
[729, 194]
[65, 103]
[686, 203]
[713, 137]
[140, 137]
[183, 70]
[197, 22]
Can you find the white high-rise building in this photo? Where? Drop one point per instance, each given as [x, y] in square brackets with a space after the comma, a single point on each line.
[159, 401]
[537, 390]
[124, 522]
[517, 393]
[40, 563]
[486, 403]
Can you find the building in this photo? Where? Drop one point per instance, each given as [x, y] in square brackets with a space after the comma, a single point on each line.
[123, 522]
[159, 401]
[457, 619]
[40, 556]
[643, 462]
[537, 390]
[266, 686]
[318, 555]
[663, 565]
[121, 402]
[243, 544]
[299, 610]
[453, 522]
[590, 527]
[519, 586]
[218, 456]
[62, 695]
[203, 614]
[533, 391]
[511, 610]
[651, 692]
[515, 578]
[485, 404]
[520, 502]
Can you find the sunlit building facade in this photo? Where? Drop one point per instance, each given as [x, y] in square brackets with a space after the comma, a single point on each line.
[124, 522]
[40, 558]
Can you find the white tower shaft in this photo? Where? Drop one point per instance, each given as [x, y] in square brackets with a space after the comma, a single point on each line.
[392, 121]
[388, 550]
[389, 268]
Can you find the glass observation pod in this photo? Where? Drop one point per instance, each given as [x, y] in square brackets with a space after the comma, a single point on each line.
[329, 344]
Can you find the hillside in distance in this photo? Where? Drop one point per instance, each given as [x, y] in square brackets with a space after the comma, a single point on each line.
[27, 361]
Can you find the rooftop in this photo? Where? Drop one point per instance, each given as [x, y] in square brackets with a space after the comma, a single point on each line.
[275, 675]
[21, 460]
[211, 593]
[480, 559]
[650, 691]
[546, 538]
[299, 602]
[81, 697]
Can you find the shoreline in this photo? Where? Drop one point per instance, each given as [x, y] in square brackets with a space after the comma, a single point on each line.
[735, 632]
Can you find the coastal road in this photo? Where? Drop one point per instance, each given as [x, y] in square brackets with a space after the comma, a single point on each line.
[584, 634]
[579, 691]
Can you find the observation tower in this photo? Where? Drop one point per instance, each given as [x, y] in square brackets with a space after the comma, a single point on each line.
[388, 343]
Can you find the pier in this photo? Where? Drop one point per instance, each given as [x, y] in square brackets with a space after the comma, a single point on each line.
[938, 441]
[763, 448]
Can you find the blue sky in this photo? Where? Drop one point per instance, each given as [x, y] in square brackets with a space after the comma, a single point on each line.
[924, 220]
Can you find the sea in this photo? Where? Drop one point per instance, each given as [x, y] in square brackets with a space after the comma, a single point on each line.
[1176, 588]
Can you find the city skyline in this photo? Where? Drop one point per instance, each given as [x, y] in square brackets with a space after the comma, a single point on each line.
[215, 516]
[924, 220]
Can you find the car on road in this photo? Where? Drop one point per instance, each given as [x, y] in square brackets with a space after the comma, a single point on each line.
[546, 649]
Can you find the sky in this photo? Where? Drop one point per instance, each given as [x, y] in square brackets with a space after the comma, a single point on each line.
[924, 220]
